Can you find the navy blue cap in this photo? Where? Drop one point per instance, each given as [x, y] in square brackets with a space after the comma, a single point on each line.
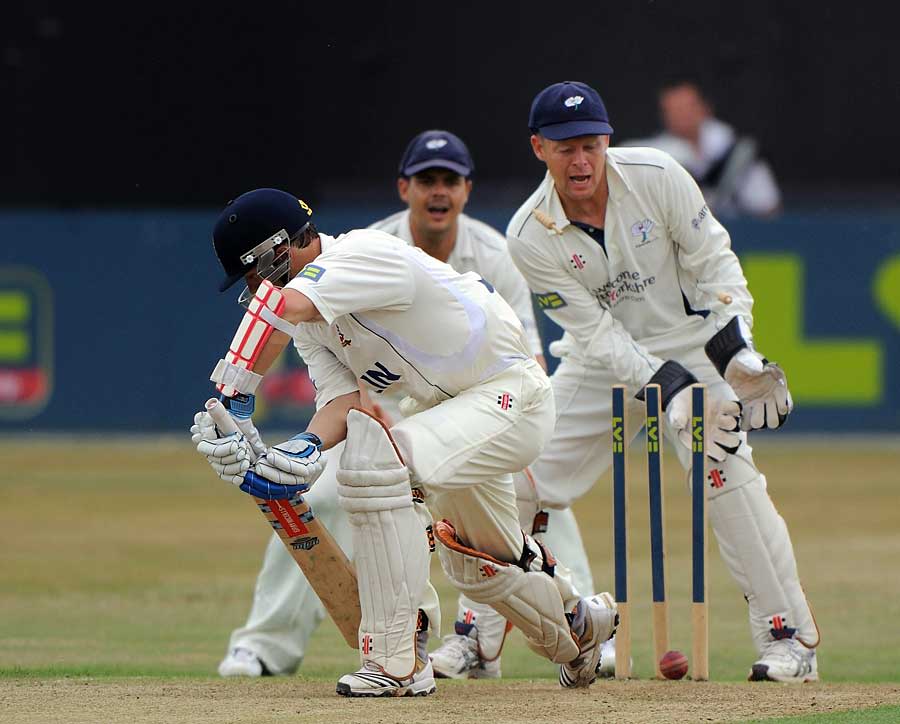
[249, 220]
[436, 149]
[569, 109]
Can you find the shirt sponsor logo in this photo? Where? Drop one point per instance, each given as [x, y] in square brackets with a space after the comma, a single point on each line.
[573, 101]
[701, 215]
[311, 272]
[379, 378]
[642, 229]
[551, 300]
[627, 285]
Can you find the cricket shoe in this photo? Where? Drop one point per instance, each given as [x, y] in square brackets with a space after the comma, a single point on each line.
[242, 662]
[371, 680]
[458, 656]
[594, 621]
[786, 660]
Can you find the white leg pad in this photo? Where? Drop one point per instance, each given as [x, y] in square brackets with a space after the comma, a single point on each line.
[533, 601]
[430, 603]
[492, 627]
[755, 545]
[389, 543]
[526, 499]
[563, 537]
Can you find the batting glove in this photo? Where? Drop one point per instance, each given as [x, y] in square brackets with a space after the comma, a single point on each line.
[241, 408]
[760, 385]
[229, 456]
[258, 486]
[296, 462]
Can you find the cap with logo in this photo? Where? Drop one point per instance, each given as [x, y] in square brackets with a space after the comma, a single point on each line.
[436, 149]
[252, 225]
[568, 109]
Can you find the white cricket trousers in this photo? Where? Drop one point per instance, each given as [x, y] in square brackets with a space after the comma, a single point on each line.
[752, 536]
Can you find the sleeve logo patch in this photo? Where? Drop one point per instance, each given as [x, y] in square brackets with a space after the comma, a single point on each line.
[550, 300]
[311, 272]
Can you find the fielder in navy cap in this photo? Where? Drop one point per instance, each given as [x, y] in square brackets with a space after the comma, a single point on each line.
[434, 180]
[567, 110]
[570, 133]
[436, 149]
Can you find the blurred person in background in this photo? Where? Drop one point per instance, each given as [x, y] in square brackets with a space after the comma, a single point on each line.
[727, 166]
[435, 181]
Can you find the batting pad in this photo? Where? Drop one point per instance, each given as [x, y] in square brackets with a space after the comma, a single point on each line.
[390, 545]
[252, 334]
[530, 600]
[492, 627]
[755, 545]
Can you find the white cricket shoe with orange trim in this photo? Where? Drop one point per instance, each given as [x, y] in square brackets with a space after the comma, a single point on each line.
[786, 660]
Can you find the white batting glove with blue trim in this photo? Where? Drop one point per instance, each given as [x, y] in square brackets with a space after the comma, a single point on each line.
[229, 456]
[297, 461]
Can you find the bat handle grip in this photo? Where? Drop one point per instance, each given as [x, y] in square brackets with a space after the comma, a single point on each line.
[223, 419]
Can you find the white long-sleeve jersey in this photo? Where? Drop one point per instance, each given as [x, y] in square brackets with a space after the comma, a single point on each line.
[397, 320]
[482, 250]
[652, 287]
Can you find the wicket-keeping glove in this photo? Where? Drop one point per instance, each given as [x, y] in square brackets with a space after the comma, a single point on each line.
[723, 416]
[760, 385]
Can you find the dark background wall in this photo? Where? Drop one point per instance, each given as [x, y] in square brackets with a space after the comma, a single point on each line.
[125, 127]
[152, 103]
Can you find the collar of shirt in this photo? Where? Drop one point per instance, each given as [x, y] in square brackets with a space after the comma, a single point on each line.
[327, 242]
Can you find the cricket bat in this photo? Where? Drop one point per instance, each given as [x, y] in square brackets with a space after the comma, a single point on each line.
[321, 559]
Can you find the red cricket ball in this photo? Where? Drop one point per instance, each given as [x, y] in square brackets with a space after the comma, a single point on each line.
[673, 665]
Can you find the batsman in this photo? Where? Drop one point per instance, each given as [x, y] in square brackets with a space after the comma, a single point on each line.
[368, 308]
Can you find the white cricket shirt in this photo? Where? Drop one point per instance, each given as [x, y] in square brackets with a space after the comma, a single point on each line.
[397, 319]
[482, 250]
[635, 300]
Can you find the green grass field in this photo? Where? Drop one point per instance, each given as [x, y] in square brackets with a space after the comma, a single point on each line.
[134, 561]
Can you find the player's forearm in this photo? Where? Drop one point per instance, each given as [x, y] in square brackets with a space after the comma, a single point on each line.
[330, 421]
[612, 347]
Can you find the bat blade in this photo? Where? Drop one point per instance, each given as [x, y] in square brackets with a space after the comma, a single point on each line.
[313, 548]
